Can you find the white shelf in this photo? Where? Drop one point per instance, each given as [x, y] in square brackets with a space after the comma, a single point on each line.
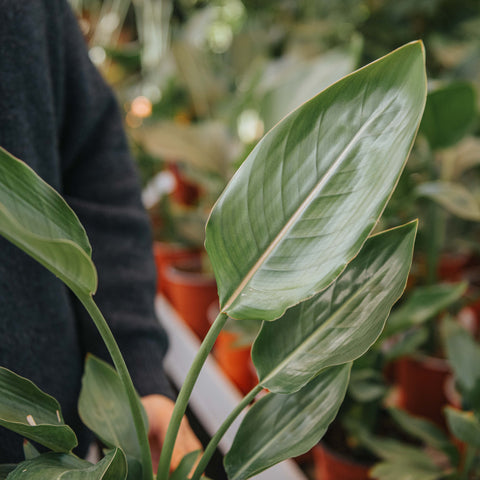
[214, 395]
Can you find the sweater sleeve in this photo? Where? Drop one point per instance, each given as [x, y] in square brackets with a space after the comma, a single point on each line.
[100, 183]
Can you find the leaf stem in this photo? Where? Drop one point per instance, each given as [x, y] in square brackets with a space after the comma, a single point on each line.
[468, 463]
[124, 375]
[184, 395]
[215, 440]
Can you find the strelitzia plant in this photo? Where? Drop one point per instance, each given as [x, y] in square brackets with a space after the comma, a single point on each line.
[289, 241]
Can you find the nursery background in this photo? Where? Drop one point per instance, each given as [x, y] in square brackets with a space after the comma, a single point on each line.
[200, 82]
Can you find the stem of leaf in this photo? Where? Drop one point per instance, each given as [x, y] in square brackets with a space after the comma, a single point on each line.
[184, 395]
[215, 440]
[124, 375]
[469, 458]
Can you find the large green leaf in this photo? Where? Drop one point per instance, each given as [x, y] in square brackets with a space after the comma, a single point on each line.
[281, 426]
[34, 217]
[59, 466]
[104, 408]
[454, 197]
[339, 324]
[28, 411]
[449, 114]
[464, 425]
[305, 200]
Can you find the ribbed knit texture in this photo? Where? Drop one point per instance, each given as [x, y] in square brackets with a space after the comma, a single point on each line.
[58, 115]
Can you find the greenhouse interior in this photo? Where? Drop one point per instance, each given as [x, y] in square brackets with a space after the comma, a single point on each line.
[283, 238]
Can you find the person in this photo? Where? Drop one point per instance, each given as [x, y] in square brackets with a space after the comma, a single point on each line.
[59, 116]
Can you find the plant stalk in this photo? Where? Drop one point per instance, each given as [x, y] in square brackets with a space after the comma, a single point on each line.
[184, 395]
[124, 375]
[215, 440]
[469, 458]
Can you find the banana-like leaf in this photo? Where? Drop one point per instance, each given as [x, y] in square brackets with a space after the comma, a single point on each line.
[449, 113]
[339, 324]
[35, 218]
[103, 407]
[307, 197]
[281, 426]
[464, 425]
[28, 411]
[454, 197]
[60, 466]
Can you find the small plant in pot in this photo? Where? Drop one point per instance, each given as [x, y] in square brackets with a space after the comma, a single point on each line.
[438, 455]
[289, 241]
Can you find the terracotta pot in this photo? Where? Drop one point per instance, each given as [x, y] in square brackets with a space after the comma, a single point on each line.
[191, 293]
[235, 361]
[164, 254]
[332, 466]
[185, 192]
[451, 267]
[421, 381]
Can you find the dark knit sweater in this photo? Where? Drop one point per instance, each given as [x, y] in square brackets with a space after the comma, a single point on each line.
[58, 115]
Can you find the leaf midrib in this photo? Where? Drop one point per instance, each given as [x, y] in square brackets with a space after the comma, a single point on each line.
[301, 209]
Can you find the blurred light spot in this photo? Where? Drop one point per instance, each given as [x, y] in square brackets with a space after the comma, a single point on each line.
[152, 92]
[97, 55]
[220, 37]
[132, 120]
[141, 107]
[249, 126]
[233, 10]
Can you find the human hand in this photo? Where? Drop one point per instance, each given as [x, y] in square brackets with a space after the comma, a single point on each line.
[159, 411]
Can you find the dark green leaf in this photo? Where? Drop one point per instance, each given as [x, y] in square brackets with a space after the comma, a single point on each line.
[34, 217]
[280, 426]
[449, 114]
[59, 466]
[104, 407]
[185, 466]
[26, 410]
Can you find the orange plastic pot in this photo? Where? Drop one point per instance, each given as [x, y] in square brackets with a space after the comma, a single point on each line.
[235, 361]
[164, 254]
[332, 466]
[191, 292]
[421, 381]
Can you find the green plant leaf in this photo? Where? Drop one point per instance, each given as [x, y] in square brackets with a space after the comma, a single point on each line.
[339, 324]
[449, 114]
[426, 431]
[29, 451]
[464, 425]
[5, 470]
[463, 354]
[406, 469]
[454, 197]
[366, 385]
[303, 203]
[281, 426]
[28, 411]
[36, 219]
[104, 408]
[185, 466]
[421, 305]
[59, 466]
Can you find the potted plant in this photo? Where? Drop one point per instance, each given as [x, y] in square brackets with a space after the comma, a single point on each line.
[288, 241]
